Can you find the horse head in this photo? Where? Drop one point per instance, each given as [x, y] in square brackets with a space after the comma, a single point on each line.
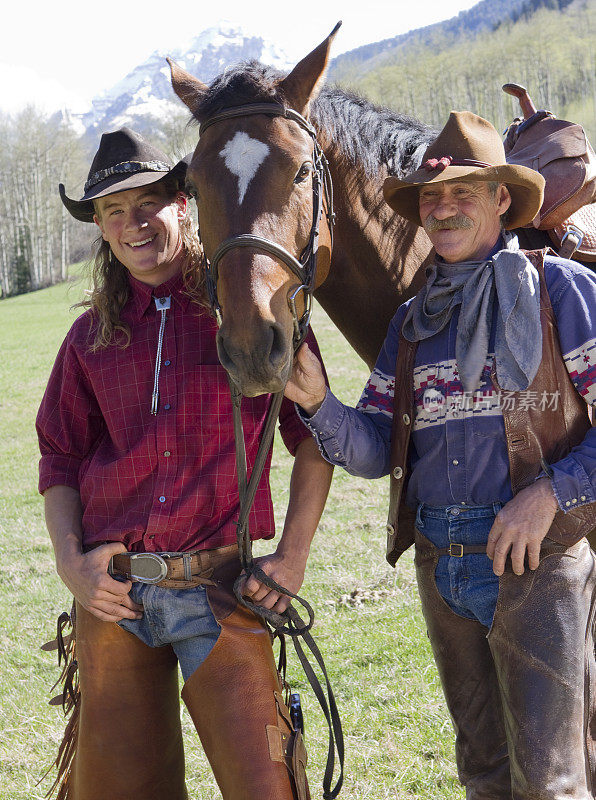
[258, 176]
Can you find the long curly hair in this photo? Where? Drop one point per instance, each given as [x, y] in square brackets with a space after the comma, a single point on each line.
[110, 287]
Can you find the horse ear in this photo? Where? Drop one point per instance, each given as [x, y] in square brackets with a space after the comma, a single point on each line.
[188, 88]
[303, 83]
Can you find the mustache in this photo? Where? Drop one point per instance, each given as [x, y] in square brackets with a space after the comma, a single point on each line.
[457, 222]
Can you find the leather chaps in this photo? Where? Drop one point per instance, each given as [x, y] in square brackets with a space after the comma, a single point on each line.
[128, 734]
[522, 696]
[236, 703]
[129, 738]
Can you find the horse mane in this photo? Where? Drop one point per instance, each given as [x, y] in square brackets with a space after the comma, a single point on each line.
[368, 136]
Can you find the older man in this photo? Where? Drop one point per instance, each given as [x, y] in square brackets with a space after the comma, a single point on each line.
[139, 479]
[488, 436]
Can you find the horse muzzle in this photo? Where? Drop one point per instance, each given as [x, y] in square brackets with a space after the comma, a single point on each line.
[260, 365]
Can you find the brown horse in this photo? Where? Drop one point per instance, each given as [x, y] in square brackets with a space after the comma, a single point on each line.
[253, 174]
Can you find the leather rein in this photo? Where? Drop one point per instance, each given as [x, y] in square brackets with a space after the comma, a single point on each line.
[290, 622]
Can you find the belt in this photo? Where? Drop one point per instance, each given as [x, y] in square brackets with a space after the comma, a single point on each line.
[171, 570]
[460, 550]
[426, 550]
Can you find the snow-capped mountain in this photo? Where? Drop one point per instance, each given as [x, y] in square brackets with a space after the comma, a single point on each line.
[145, 95]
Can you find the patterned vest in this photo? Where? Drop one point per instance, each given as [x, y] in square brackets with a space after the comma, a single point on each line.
[533, 434]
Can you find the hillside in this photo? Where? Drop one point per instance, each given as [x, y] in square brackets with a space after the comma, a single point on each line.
[548, 50]
[483, 16]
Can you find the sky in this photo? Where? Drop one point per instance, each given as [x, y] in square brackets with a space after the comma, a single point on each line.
[64, 53]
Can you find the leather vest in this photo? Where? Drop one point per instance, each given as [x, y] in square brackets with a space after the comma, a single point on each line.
[532, 434]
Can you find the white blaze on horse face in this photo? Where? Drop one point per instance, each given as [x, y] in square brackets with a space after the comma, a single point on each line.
[243, 157]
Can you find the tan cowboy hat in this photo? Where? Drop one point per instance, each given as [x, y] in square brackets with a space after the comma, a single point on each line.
[123, 161]
[468, 149]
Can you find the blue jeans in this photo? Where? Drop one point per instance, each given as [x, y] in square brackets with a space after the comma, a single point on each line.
[467, 584]
[181, 618]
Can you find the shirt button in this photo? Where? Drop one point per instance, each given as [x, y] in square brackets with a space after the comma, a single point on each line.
[574, 500]
[454, 512]
[583, 497]
[162, 499]
[167, 363]
[167, 407]
[455, 462]
[167, 453]
[397, 473]
[568, 503]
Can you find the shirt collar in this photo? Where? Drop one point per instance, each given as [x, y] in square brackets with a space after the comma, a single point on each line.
[142, 294]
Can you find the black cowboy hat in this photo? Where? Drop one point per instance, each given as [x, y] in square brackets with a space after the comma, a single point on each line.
[123, 161]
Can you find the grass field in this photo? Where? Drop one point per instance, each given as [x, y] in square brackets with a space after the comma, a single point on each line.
[399, 741]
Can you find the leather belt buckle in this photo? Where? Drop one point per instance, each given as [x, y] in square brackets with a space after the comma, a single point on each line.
[147, 567]
[456, 550]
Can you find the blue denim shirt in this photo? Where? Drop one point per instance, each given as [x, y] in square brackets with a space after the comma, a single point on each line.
[458, 448]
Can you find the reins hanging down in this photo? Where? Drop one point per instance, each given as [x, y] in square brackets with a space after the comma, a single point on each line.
[290, 623]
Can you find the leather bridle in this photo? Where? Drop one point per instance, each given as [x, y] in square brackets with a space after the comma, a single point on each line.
[305, 266]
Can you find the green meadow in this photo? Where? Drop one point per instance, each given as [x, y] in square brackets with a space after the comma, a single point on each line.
[399, 741]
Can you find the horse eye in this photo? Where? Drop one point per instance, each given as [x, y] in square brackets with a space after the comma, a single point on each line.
[303, 172]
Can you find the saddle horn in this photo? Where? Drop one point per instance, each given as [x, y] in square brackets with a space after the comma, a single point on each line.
[527, 106]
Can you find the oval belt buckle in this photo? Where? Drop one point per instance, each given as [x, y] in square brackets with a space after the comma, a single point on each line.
[147, 567]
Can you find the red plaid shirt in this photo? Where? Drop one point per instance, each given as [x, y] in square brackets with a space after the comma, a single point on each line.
[164, 482]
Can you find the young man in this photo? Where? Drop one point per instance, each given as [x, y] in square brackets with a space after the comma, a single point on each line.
[138, 460]
[489, 438]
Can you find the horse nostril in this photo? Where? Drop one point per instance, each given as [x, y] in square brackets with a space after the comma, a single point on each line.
[266, 356]
[277, 353]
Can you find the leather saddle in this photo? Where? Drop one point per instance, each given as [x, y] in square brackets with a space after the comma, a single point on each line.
[561, 152]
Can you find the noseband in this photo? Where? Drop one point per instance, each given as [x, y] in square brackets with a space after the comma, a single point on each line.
[304, 267]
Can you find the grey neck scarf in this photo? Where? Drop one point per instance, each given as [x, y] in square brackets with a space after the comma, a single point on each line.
[514, 281]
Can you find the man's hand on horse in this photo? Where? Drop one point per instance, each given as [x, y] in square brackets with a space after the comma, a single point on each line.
[306, 385]
[86, 575]
[286, 571]
[520, 526]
